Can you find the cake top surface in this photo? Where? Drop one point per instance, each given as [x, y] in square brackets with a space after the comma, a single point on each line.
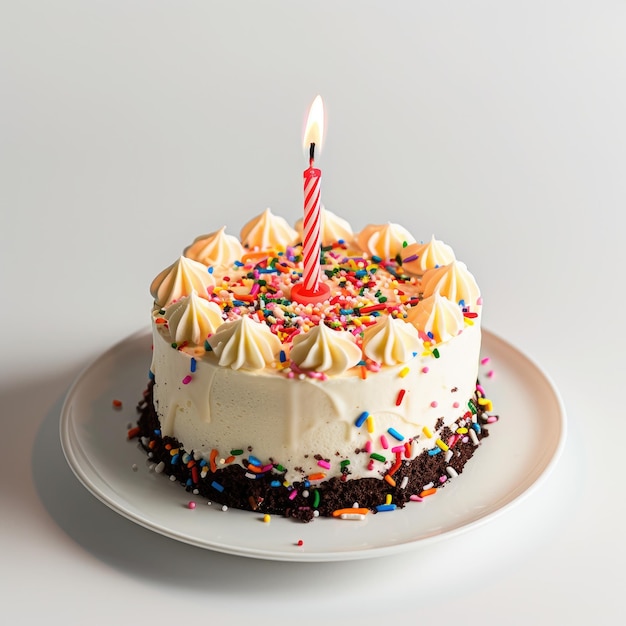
[391, 297]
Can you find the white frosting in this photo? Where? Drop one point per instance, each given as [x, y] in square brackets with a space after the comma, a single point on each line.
[453, 281]
[216, 249]
[437, 316]
[245, 344]
[180, 279]
[333, 228]
[429, 255]
[291, 420]
[267, 231]
[384, 240]
[391, 341]
[325, 350]
[192, 319]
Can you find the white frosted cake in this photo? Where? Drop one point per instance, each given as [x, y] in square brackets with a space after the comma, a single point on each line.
[359, 403]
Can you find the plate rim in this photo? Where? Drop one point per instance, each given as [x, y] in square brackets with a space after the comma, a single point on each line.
[72, 455]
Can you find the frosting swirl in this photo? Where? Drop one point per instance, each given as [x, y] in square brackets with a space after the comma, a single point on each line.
[438, 317]
[267, 231]
[384, 240]
[419, 257]
[333, 228]
[325, 350]
[245, 344]
[180, 279]
[453, 281]
[217, 249]
[391, 341]
[192, 319]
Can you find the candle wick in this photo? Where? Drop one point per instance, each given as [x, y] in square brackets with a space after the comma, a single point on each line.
[311, 154]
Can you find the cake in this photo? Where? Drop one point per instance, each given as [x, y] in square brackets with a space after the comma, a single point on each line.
[357, 404]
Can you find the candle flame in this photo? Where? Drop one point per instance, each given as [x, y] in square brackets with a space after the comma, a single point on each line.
[314, 130]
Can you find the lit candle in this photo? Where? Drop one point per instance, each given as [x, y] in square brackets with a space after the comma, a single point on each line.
[311, 289]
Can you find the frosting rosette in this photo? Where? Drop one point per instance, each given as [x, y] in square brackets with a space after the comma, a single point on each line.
[453, 281]
[245, 344]
[215, 249]
[192, 319]
[180, 279]
[384, 240]
[391, 341]
[438, 317]
[322, 349]
[417, 258]
[332, 228]
[267, 231]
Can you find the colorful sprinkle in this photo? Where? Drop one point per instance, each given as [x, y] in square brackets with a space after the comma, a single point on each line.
[316, 498]
[361, 419]
[352, 511]
[385, 507]
[400, 397]
[316, 476]
[212, 458]
[395, 434]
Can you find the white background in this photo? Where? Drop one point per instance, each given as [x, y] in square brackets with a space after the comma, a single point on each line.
[127, 128]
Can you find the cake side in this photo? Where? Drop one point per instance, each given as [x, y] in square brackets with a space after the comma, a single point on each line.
[293, 421]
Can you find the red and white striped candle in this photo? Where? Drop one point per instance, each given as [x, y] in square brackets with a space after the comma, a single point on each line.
[311, 289]
[311, 228]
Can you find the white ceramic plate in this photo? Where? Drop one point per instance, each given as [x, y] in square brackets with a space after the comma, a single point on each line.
[521, 450]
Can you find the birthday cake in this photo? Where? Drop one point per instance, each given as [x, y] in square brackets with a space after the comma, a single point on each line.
[359, 403]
